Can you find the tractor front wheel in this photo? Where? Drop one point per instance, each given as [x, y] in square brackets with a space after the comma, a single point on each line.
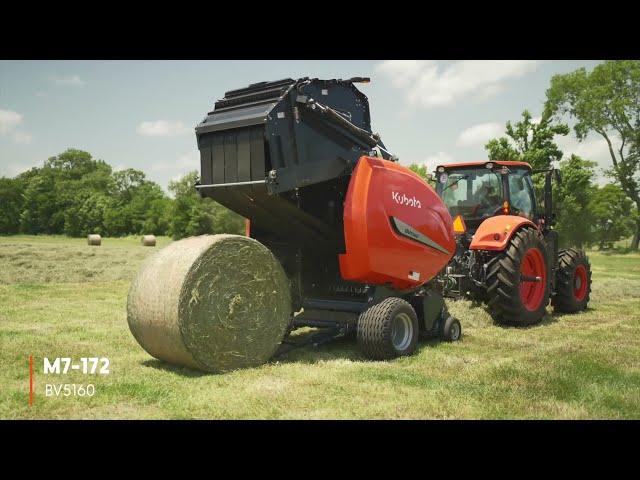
[573, 281]
[517, 280]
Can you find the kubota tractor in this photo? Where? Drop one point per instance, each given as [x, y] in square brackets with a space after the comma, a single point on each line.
[506, 249]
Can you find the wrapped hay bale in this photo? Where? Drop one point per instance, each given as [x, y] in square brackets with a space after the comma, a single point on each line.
[148, 240]
[213, 302]
[94, 239]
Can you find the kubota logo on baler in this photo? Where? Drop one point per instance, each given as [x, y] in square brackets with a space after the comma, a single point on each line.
[402, 199]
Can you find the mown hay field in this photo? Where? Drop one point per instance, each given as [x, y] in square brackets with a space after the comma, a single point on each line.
[60, 297]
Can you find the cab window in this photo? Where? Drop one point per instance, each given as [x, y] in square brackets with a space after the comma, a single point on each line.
[521, 195]
[472, 193]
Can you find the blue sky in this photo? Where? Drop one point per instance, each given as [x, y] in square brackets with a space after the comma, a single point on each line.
[141, 114]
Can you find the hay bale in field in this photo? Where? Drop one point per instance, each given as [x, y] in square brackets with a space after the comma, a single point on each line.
[213, 302]
[148, 240]
[94, 239]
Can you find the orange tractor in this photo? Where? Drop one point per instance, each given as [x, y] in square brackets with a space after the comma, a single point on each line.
[506, 249]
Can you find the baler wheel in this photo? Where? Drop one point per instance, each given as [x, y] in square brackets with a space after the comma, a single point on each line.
[388, 329]
[573, 281]
[517, 280]
[451, 330]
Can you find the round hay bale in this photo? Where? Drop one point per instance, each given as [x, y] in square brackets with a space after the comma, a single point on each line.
[213, 303]
[94, 239]
[148, 240]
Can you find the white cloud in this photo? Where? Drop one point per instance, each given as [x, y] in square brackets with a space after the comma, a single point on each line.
[189, 160]
[69, 81]
[8, 120]
[593, 148]
[22, 137]
[430, 84]
[161, 128]
[480, 134]
[438, 158]
[14, 169]
[185, 163]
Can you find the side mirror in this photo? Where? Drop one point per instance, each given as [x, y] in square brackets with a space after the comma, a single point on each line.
[430, 177]
[558, 176]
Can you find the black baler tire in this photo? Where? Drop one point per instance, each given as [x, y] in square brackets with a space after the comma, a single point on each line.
[374, 329]
[564, 299]
[447, 328]
[503, 281]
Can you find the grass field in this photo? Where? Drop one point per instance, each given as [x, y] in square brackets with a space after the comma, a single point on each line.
[62, 298]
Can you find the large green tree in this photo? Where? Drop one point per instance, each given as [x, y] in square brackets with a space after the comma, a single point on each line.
[606, 101]
[421, 169]
[613, 215]
[529, 141]
[572, 201]
[138, 205]
[55, 193]
[192, 215]
[11, 200]
[40, 208]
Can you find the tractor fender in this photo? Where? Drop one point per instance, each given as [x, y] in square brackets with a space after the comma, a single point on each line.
[496, 232]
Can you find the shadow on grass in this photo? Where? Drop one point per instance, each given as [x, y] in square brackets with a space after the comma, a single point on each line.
[550, 317]
[343, 348]
[179, 370]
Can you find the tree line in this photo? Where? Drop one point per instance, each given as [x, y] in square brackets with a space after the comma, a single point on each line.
[74, 194]
[604, 102]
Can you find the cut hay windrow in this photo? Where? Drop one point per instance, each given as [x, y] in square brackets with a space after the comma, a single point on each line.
[148, 240]
[213, 302]
[94, 240]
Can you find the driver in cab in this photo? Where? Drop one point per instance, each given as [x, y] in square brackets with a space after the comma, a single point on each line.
[489, 201]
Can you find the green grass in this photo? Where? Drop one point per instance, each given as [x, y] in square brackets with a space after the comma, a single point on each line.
[59, 297]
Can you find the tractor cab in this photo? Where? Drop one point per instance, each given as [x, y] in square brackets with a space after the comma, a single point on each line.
[479, 190]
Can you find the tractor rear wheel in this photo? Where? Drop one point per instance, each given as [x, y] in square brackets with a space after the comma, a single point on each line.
[517, 280]
[388, 329]
[573, 281]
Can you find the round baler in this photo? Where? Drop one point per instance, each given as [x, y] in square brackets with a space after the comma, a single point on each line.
[340, 237]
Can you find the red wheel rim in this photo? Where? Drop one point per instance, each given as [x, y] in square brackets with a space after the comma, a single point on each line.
[531, 291]
[580, 283]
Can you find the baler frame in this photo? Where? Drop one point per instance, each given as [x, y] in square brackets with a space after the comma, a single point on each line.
[281, 154]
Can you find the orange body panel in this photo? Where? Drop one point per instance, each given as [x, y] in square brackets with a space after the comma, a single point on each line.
[375, 252]
[495, 232]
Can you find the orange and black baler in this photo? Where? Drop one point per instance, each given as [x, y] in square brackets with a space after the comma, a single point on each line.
[360, 237]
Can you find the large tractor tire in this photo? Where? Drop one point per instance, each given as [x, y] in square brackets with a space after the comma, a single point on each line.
[573, 281]
[388, 329]
[518, 280]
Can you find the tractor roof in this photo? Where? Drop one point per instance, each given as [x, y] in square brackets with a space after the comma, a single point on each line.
[506, 163]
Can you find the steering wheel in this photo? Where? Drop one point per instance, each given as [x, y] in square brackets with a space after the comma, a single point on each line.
[497, 211]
